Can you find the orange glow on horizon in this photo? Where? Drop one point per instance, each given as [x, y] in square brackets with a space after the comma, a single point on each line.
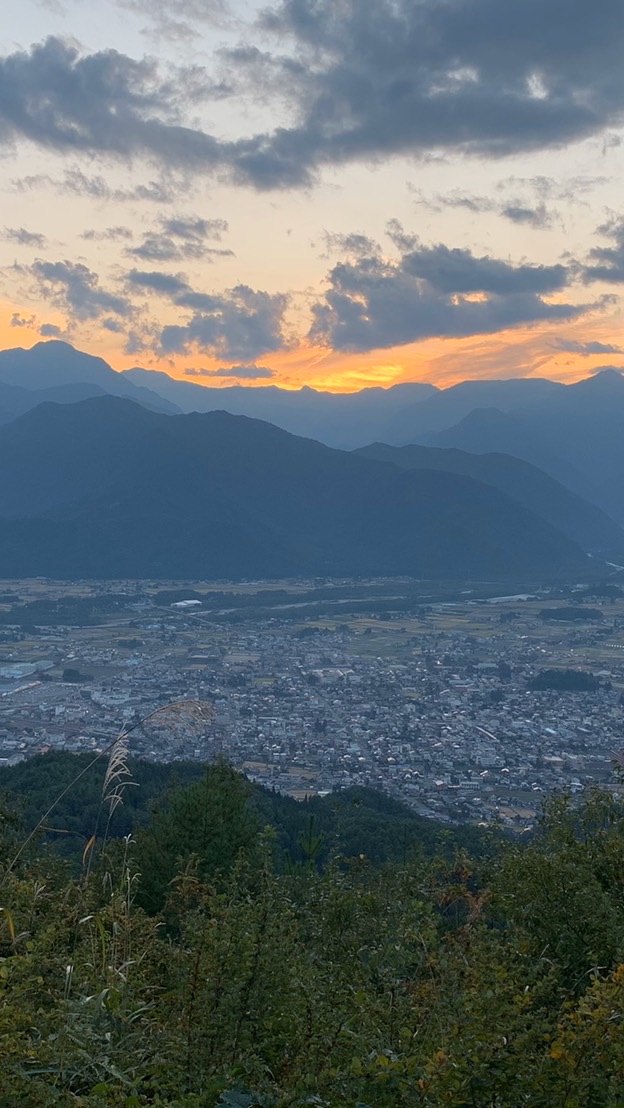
[521, 352]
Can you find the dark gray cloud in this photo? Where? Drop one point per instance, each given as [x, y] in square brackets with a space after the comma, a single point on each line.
[195, 229]
[75, 288]
[164, 283]
[404, 241]
[113, 325]
[111, 234]
[23, 237]
[137, 342]
[356, 244]
[50, 331]
[458, 271]
[105, 103]
[182, 238]
[358, 80]
[198, 301]
[538, 216]
[174, 287]
[430, 292]
[156, 248]
[238, 325]
[241, 372]
[19, 320]
[607, 262]
[586, 349]
[481, 76]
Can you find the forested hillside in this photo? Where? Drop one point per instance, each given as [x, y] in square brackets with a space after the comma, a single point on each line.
[353, 822]
[201, 962]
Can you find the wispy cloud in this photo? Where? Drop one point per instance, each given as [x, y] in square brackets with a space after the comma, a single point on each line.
[22, 237]
[178, 20]
[240, 372]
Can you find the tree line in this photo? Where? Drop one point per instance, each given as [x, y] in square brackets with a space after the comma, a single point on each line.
[201, 961]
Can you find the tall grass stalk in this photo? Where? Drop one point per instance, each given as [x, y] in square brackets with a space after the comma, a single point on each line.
[192, 711]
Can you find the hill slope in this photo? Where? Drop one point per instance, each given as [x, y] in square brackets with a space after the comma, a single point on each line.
[356, 821]
[343, 420]
[581, 521]
[57, 371]
[448, 406]
[575, 434]
[104, 488]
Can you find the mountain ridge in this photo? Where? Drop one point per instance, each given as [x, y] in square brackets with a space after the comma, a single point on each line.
[575, 435]
[54, 364]
[580, 520]
[105, 488]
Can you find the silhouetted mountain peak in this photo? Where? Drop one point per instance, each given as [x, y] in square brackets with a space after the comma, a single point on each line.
[606, 379]
[51, 363]
[479, 421]
[58, 365]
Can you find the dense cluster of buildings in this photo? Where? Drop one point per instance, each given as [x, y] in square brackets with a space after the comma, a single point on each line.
[439, 713]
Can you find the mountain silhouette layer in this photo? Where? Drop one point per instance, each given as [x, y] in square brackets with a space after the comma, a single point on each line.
[577, 518]
[576, 434]
[55, 370]
[106, 488]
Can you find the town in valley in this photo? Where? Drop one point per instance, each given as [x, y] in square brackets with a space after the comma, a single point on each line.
[467, 705]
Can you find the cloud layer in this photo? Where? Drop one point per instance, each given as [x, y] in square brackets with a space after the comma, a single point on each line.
[76, 289]
[433, 291]
[607, 262]
[238, 325]
[358, 81]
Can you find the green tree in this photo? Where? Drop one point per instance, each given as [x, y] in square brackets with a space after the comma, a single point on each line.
[205, 826]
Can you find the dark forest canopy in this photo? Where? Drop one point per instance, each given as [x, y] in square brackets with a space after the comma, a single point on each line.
[353, 822]
[565, 680]
[571, 614]
[196, 965]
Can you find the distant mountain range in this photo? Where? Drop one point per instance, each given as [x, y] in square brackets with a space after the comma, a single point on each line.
[344, 420]
[105, 488]
[581, 521]
[463, 481]
[576, 434]
[58, 372]
[447, 407]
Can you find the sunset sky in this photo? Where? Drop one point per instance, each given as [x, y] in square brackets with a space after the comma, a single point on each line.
[325, 192]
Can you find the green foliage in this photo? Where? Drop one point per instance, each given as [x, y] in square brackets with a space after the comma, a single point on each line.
[356, 821]
[571, 614]
[32, 786]
[416, 982]
[203, 828]
[565, 680]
